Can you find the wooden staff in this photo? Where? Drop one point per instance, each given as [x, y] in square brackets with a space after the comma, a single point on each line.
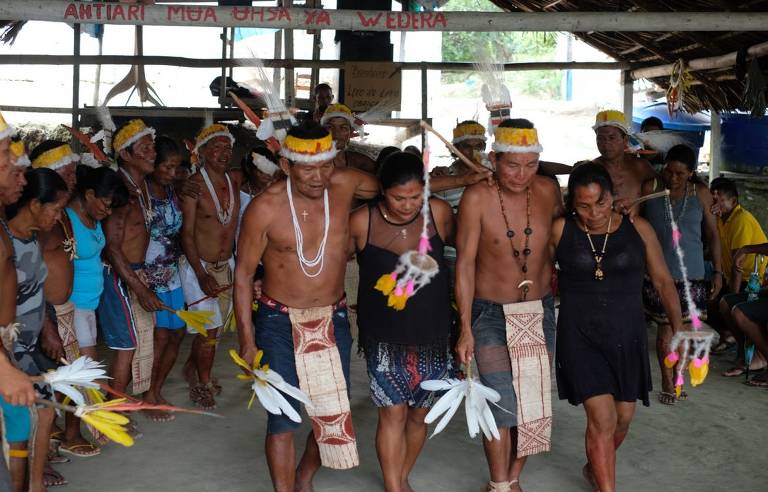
[453, 149]
[645, 198]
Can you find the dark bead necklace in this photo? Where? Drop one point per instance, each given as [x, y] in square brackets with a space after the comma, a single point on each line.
[528, 231]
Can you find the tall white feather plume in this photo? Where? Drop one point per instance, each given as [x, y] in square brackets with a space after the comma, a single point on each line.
[107, 128]
[84, 372]
[279, 120]
[494, 91]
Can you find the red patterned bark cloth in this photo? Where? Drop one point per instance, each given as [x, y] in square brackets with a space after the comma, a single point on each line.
[530, 376]
[65, 321]
[318, 366]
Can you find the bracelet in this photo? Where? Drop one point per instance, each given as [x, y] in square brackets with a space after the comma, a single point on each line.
[718, 272]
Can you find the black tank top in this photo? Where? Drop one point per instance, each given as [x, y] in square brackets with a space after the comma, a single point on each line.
[426, 319]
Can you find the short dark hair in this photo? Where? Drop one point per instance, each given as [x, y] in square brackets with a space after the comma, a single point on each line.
[725, 186]
[520, 123]
[44, 146]
[43, 184]
[104, 182]
[585, 175]
[651, 121]
[322, 85]
[467, 122]
[165, 147]
[400, 168]
[682, 153]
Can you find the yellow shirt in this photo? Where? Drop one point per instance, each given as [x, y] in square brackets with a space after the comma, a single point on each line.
[740, 229]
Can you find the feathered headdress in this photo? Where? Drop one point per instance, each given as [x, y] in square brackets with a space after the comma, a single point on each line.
[308, 150]
[209, 133]
[494, 92]
[19, 153]
[131, 133]
[6, 130]
[516, 140]
[611, 117]
[56, 158]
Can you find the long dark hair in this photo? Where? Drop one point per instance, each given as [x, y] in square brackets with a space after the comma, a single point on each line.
[165, 147]
[585, 175]
[399, 168]
[43, 185]
[104, 182]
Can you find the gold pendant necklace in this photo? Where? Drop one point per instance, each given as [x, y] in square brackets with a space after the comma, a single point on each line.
[599, 274]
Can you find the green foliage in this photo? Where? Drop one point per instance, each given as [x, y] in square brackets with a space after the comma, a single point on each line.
[503, 47]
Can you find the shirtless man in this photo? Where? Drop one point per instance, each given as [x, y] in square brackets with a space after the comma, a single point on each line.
[303, 283]
[503, 234]
[16, 391]
[58, 337]
[628, 173]
[339, 120]
[208, 239]
[127, 305]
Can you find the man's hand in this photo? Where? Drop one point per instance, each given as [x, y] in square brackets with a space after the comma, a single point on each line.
[465, 347]
[208, 284]
[248, 353]
[440, 171]
[190, 189]
[717, 285]
[257, 289]
[472, 178]
[51, 341]
[15, 386]
[149, 300]
[715, 209]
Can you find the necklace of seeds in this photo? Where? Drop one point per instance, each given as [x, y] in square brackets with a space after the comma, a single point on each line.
[526, 252]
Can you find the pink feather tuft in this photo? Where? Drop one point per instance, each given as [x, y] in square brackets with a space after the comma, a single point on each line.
[698, 362]
[673, 356]
[409, 288]
[676, 235]
[424, 246]
[398, 291]
[695, 321]
[680, 381]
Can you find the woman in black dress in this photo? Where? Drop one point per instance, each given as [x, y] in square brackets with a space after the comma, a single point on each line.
[602, 341]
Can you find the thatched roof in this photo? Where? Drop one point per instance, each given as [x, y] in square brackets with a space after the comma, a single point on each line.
[719, 89]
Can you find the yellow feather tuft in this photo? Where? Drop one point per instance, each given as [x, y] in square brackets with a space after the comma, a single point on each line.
[386, 284]
[196, 320]
[397, 302]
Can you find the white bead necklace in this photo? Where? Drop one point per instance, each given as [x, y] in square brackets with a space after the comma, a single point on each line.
[319, 259]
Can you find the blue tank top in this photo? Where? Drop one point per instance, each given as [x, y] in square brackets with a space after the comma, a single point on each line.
[688, 213]
[89, 278]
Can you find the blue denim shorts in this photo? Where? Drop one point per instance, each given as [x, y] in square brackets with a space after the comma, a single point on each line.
[274, 335]
[489, 329]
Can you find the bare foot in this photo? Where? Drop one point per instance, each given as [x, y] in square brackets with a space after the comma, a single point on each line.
[51, 478]
[157, 415]
[405, 486]
[515, 486]
[307, 487]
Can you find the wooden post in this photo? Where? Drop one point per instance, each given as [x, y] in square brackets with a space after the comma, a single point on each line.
[628, 93]
[290, 72]
[223, 81]
[76, 79]
[424, 105]
[715, 139]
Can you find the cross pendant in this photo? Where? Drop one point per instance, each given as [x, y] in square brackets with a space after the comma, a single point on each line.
[304, 215]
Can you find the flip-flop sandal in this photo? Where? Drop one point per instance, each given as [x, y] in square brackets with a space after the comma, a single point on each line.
[734, 372]
[667, 398]
[55, 458]
[81, 450]
[722, 347]
[57, 436]
[757, 383]
[52, 478]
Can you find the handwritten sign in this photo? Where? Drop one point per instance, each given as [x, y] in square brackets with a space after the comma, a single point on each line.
[368, 83]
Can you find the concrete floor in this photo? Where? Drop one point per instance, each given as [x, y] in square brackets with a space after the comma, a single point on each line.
[715, 441]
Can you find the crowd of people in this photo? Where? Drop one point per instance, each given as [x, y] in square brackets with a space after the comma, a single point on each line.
[110, 252]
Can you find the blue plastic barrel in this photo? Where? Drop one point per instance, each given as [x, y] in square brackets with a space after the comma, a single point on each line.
[744, 144]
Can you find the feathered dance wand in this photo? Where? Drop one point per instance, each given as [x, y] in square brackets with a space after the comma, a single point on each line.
[415, 269]
[478, 412]
[268, 385]
[688, 348]
[82, 372]
[494, 91]
[194, 319]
